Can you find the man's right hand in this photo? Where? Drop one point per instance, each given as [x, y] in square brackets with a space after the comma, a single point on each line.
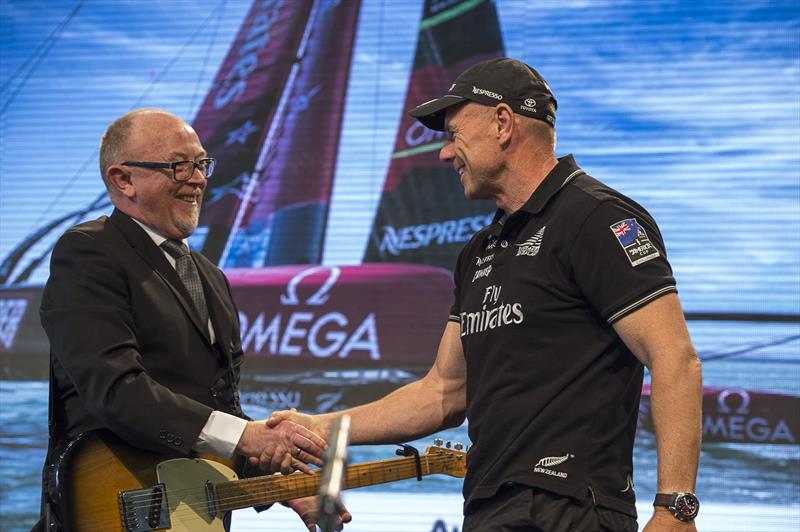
[312, 423]
[284, 447]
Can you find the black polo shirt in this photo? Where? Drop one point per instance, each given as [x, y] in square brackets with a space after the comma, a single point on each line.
[552, 391]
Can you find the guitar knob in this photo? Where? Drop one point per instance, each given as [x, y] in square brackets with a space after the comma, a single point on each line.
[438, 442]
[447, 444]
[458, 446]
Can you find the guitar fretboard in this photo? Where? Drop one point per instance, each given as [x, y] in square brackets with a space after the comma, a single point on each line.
[249, 492]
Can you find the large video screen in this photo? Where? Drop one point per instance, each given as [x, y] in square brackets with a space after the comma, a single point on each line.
[338, 227]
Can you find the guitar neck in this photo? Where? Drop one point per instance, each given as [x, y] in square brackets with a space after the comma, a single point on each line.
[268, 489]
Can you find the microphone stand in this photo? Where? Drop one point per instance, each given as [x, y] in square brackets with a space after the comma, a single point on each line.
[333, 470]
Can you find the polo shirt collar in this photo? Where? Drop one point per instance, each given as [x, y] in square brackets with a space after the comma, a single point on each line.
[561, 174]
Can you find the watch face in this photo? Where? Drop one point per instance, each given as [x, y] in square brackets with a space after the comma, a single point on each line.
[687, 506]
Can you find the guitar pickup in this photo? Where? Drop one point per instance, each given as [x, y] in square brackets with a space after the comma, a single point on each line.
[144, 509]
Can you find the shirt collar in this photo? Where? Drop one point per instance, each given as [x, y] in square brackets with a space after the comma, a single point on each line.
[155, 236]
[561, 174]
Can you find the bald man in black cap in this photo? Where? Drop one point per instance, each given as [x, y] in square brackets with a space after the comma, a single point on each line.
[559, 305]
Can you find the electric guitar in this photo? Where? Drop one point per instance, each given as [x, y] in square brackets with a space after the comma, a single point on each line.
[106, 485]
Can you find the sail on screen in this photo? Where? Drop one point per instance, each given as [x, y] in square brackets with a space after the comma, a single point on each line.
[423, 216]
[272, 119]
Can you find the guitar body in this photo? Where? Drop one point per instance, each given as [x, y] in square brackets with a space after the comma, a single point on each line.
[99, 483]
[188, 505]
[99, 468]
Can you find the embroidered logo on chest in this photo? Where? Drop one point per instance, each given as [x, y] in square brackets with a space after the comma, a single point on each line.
[531, 246]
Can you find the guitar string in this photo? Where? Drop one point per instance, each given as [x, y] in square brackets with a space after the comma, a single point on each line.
[189, 510]
[407, 470]
[275, 492]
[271, 483]
[277, 479]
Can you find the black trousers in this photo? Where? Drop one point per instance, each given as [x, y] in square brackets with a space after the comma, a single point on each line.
[519, 508]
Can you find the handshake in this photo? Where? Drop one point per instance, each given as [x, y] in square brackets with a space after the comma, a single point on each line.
[287, 442]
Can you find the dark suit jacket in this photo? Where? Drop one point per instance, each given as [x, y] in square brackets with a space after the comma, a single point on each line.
[128, 350]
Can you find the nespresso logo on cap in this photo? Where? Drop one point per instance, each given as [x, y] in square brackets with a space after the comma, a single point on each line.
[490, 94]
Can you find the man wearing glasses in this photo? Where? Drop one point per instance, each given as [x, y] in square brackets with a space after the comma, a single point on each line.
[144, 334]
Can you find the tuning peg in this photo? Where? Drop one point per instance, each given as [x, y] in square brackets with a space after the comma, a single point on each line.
[447, 444]
[438, 442]
[458, 446]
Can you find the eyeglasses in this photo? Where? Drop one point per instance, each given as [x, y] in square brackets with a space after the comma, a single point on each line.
[181, 170]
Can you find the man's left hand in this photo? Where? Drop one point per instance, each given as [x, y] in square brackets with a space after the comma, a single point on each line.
[308, 511]
[664, 521]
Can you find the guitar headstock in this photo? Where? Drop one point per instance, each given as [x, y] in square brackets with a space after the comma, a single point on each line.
[446, 461]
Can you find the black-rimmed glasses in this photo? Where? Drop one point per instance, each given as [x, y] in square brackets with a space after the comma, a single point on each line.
[181, 170]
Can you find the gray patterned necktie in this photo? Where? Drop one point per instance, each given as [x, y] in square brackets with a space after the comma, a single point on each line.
[187, 271]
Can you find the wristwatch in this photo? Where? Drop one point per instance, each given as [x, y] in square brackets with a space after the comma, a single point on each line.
[684, 505]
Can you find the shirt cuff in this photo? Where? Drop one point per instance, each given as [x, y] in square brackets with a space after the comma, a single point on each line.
[220, 435]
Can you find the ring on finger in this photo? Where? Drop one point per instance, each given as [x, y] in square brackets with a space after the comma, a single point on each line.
[297, 451]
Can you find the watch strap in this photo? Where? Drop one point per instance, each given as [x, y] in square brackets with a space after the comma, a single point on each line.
[664, 499]
[676, 503]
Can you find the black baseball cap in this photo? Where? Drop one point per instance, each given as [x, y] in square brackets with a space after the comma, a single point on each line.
[491, 82]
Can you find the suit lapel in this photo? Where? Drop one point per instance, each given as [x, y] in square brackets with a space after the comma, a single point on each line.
[144, 246]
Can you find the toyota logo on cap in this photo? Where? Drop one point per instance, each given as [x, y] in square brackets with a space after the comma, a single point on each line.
[530, 102]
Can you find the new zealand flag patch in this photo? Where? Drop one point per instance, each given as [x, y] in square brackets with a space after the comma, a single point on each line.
[633, 239]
